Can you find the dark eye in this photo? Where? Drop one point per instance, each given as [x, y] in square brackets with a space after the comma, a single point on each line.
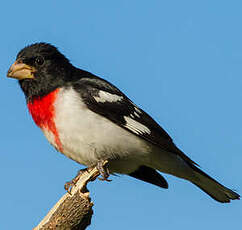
[39, 60]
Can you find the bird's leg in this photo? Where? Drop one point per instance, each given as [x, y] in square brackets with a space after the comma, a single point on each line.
[103, 170]
[69, 185]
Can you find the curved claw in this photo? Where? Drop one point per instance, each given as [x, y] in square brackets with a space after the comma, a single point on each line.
[70, 184]
[104, 179]
[103, 170]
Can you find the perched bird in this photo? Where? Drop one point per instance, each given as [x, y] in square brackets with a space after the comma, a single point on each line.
[89, 120]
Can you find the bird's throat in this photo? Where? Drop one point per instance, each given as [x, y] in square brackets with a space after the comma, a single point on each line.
[42, 110]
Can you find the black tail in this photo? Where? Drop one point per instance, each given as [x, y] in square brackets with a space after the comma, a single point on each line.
[213, 188]
[149, 175]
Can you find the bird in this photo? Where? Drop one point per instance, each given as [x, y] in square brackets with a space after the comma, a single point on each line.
[91, 121]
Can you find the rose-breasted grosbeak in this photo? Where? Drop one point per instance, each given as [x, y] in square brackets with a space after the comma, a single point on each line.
[90, 120]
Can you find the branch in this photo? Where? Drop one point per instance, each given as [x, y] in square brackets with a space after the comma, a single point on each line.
[73, 211]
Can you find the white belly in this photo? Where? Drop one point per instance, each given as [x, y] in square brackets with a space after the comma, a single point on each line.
[87, 137]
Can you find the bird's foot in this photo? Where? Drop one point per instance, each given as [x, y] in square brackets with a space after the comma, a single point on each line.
[103, 170]
[70, 184]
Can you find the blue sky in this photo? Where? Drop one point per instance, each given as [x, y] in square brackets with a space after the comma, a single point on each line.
[179, 60]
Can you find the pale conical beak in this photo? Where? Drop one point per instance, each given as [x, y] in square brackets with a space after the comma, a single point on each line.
[20, 71]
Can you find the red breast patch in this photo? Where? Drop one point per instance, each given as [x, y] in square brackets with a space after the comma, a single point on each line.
[43, 112]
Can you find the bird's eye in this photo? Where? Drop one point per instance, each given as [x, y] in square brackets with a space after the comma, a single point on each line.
[39, 60]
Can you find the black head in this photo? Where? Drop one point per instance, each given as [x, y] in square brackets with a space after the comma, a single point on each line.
[40, 68]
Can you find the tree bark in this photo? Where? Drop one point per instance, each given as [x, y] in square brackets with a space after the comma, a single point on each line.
[73, 211]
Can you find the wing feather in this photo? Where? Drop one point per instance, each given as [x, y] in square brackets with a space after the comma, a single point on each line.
[105, 99]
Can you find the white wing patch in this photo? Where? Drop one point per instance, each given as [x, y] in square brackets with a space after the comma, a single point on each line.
[135, 126]
[107, 97]
[136, 114]
[137, 110]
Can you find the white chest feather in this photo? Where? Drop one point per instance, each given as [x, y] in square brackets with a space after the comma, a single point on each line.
[50, 136]
[87, 137]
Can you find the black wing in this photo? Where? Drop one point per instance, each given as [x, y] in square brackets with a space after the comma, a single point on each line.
[105, 99]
